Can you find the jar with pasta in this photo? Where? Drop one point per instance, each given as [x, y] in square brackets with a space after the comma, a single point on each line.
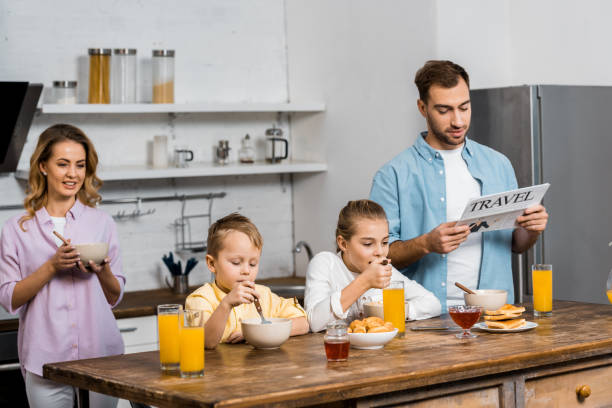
[163, 76]
[99, 74]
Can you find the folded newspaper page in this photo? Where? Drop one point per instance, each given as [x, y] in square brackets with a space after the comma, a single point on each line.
[499, 211]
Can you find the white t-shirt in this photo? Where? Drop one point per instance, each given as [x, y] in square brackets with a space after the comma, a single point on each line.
[463, 264]
[58, 225]
[327, 276]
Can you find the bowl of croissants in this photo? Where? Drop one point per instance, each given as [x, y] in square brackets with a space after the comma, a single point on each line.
[370, 333]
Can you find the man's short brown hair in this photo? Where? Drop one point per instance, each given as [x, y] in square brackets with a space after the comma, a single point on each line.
[443, 73]
[233, 222]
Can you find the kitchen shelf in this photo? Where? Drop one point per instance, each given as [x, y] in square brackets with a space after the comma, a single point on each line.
[202, 170]
[183, 108]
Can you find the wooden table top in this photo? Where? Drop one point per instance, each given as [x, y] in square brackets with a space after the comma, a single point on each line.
[238, 375]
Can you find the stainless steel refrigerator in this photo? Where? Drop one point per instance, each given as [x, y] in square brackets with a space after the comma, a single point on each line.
[561, 135]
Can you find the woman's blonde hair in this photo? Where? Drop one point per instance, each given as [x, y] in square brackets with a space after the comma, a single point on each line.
[232, 222]
[37, 182]
[352, 212]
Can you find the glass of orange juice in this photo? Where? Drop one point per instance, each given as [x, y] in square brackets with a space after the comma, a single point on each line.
[393, 306]
[541, 277]
[192, 344]
[168, 326]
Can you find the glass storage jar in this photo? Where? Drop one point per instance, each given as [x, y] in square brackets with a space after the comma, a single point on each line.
[123, 75]
[64, 92]
[336, 341]
[163, 76]
[99, 73]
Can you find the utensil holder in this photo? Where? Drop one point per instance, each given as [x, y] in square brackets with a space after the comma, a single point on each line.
[181, 284]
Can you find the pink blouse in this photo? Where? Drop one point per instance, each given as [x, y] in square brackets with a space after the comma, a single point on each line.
[70, 318]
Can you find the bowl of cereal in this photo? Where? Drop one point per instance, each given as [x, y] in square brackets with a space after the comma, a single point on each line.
[370, 333]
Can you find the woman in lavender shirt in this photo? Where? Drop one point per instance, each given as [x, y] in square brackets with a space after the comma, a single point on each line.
[64, 306]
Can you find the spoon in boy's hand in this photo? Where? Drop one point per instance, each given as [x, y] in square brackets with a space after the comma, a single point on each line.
[260, 311]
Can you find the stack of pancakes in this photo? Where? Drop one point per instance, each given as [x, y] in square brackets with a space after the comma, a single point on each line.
[506, 317]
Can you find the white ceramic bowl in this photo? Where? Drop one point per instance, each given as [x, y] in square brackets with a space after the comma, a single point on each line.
[370, 341]
[489, 299]
[376, 309]
[95, 252]
[266, 336]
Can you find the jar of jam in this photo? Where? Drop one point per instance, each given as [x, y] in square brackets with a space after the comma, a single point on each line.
[336, 341]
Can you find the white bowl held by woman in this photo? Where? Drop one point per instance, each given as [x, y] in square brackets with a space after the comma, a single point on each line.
[95, 252]
[266, 336]
[370, 341]
[489, 299]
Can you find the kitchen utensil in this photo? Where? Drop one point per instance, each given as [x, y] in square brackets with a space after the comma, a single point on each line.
[191, 263]
[266, 336]
[246, 154]
[465, 289]
[260, 311]
[424, 328]
[64, 240]
[277, 147]
[95, 252]
[336, 341]
[174, 268]
[488, 299]
[371, 341]
[465, 317]
[163, 76]
[182, 155]
[160, 151]
[223, 152]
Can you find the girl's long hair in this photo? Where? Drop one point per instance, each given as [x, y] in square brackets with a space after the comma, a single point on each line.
[37, 183]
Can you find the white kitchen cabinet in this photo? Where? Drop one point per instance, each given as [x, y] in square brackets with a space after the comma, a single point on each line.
[139, 334]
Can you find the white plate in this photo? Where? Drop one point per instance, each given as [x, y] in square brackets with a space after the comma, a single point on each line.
[370, 341]
[526, 326]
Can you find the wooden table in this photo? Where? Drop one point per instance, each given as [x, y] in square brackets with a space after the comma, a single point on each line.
[427, 368]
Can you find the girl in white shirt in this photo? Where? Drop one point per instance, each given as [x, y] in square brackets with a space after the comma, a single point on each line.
[337, 285]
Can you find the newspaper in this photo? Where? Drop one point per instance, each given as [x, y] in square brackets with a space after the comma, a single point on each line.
[499, 211]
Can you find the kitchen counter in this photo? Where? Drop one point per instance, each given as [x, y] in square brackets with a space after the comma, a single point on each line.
[144, 302]
[571, 348]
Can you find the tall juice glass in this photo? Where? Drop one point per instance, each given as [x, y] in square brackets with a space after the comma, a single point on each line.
[192, 344]
[393, 306]
[541, 276]
[168, 326]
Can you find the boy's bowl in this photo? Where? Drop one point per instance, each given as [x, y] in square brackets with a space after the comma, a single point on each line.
[95, 252]
[266, 336]
[489, 299]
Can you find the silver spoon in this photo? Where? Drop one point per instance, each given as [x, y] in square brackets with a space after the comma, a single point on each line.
[260, 311]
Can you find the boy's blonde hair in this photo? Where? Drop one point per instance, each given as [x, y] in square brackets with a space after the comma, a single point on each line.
[231, 222]
[352, 212]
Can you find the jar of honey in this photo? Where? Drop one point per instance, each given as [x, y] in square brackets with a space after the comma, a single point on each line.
[336, 341]
[99, 75]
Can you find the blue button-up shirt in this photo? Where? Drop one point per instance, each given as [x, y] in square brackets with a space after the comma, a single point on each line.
[412, 190]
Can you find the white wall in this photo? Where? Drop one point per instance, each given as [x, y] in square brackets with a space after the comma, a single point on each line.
[226, 51]
[515, 42]
[360, 57]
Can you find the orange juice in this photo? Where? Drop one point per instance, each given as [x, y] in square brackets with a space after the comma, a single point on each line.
[393, 307]
[609, 293]
[192, 351]
[542, 291]
[169, 351]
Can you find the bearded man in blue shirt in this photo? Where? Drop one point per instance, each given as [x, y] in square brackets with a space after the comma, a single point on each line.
[426, 187]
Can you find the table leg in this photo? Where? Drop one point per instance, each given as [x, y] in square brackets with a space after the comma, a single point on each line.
[83, 396]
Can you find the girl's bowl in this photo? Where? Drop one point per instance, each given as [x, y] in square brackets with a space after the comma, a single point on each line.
[370, 341]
